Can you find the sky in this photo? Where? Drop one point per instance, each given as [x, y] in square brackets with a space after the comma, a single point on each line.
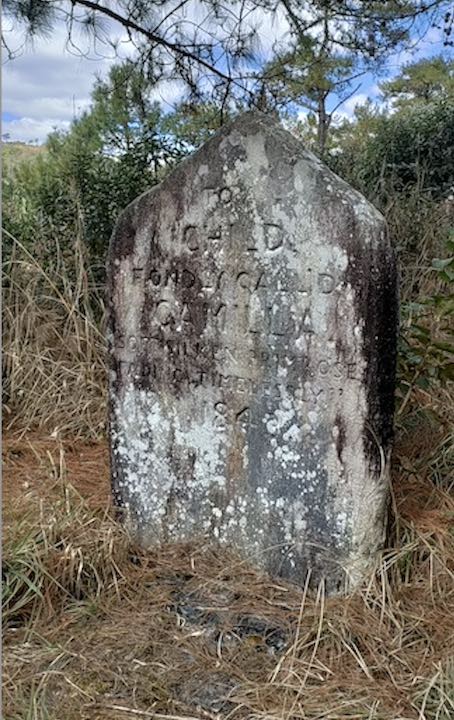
[48, 83]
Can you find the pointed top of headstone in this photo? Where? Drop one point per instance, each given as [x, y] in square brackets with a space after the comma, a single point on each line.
[270, 148]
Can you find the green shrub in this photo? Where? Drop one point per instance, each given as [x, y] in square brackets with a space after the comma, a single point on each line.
[388, 154]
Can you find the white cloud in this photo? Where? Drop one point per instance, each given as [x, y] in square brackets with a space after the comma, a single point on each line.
[422, 46]
[27, 129]
[347, 109]
[374, 91]
[272, 29]
[302, 113]
[168, 94]
[51, 80]
[49, 83]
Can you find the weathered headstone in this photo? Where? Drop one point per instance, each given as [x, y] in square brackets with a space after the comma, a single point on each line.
[253, 316]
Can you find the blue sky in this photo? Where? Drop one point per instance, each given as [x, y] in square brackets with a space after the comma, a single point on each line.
[48, 84]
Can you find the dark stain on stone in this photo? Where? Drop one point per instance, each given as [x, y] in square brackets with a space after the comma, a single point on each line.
[341, 436]
[124, 237]
[322, 559]
[372, 274]
[187, 312]
[377, 307]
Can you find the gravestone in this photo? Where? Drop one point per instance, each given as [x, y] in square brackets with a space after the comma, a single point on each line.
[253, 315]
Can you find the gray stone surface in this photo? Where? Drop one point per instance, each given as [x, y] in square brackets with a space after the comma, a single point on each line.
[253, 314]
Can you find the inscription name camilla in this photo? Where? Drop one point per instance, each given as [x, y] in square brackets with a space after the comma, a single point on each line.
[252, 292]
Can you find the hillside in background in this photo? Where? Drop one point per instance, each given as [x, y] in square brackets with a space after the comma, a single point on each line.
[17, 152]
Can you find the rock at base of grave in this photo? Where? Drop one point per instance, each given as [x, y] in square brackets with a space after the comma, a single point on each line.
[253, 316]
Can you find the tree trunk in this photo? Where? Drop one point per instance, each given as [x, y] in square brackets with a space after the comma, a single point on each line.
[323, 124]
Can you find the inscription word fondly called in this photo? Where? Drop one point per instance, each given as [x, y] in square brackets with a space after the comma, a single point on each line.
[252, 333]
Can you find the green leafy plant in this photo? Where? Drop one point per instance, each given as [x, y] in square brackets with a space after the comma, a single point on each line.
[427, 342]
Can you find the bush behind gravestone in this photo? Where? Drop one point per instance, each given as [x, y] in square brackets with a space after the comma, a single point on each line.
[410, 148]
[73, 191]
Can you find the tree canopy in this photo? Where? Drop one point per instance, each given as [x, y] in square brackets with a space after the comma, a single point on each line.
[214, 45]
[426, 80]
[307, 76]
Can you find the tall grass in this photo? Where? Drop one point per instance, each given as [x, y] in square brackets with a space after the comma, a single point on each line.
[419, 227]
[67, 553]
[53, 343]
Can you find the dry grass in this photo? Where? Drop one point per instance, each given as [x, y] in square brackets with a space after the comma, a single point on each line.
[53, 343]
[94, 628]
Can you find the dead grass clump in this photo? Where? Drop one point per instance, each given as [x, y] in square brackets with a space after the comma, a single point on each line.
[56, 549]
[53, 344]
[193, 632]
[48, 562]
